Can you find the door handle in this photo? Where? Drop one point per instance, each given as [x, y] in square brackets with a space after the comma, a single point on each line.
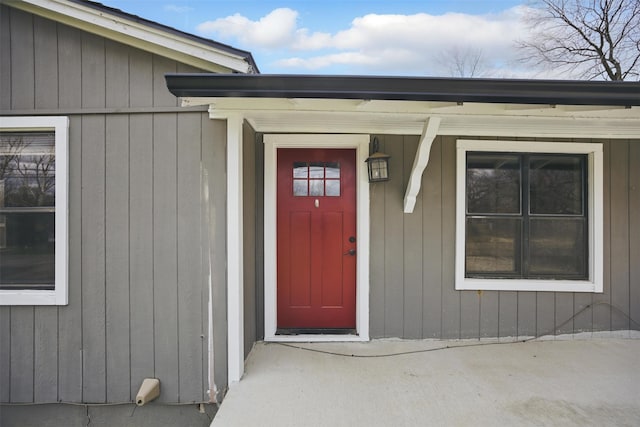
[351, 252]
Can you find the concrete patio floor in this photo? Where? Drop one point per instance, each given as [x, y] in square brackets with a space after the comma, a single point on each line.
[565, 382]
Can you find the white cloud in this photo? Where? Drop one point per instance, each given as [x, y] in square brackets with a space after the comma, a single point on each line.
[274, 30]
[315, 41]
[176, 8]
[375, 43]
[321, 61]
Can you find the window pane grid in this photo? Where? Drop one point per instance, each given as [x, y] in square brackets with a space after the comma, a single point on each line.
[27, 210]
[316, 179]
[546, 195]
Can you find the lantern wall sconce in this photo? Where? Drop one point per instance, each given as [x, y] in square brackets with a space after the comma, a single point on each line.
[378, 164]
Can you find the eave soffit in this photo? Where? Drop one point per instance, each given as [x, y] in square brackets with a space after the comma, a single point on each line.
[427, 119]
[409, 117]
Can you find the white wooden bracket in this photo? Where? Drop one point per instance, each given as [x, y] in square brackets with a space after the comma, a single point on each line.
[429, 133]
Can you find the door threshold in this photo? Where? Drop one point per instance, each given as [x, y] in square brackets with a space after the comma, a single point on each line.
[315, 331]
[306, 337]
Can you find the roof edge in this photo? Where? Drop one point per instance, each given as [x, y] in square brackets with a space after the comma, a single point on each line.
[141, 33]
[505, 91]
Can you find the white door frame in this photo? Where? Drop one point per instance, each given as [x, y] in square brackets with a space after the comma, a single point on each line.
[361, 144]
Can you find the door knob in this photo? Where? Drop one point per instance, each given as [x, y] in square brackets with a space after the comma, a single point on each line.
[351, 252]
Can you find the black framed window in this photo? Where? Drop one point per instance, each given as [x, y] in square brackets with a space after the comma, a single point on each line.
[526, 216]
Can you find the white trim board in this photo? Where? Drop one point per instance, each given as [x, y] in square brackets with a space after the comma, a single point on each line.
[235, 258]
[361, 144]
[268, 115]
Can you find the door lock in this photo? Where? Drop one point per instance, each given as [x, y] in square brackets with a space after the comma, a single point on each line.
[351, 252]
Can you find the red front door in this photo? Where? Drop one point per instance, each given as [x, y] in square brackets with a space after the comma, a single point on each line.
[316, 238]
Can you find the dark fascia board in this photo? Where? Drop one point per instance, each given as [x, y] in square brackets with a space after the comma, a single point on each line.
[550, 92]
[152, 24]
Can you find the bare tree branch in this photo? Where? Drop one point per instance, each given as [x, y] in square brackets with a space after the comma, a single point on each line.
[463, 62]
[585, 38]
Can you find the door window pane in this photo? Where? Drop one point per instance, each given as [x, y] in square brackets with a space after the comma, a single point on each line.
[493, 246]
[300, 187]
[333, 187]
[316, 187]
[316, 170]
[300, 170]
[332, 170]
[493, 183]
[556, 184]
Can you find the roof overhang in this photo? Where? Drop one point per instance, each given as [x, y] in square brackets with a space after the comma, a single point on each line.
[402, 105]
[271, 115]
[418, 106]
[536, 92]
[141, 33]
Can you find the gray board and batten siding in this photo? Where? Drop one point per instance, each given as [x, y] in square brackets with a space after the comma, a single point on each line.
[412, 291]
[148, 218]
[413, 256]
[146, 206]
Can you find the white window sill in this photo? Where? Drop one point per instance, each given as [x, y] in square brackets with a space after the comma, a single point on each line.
[26, 297]
[467, 284]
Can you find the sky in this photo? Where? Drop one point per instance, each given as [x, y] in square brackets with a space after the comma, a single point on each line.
[357, 37]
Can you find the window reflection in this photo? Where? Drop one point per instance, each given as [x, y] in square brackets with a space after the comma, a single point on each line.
[27, 170]
[557, 246]
[300, 170]
[27, 250]
[493, 183]
[333, 187]
[316, 187]
[300, 187]
[526, 215]
[564, 175]
[316, 170]
[27, 210]
[493, 246]
[332, 170]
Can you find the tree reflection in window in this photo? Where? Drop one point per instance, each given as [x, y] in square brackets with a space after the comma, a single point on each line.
[526, 216]
[27, 210]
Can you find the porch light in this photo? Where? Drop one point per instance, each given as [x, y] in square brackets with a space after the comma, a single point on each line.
[378, 164]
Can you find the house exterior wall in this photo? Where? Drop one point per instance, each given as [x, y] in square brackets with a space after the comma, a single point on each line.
[146, 198]
[413, 256]
[412, 293]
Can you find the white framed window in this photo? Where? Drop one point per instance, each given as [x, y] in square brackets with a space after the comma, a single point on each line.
[33, 210]
[529, 216]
